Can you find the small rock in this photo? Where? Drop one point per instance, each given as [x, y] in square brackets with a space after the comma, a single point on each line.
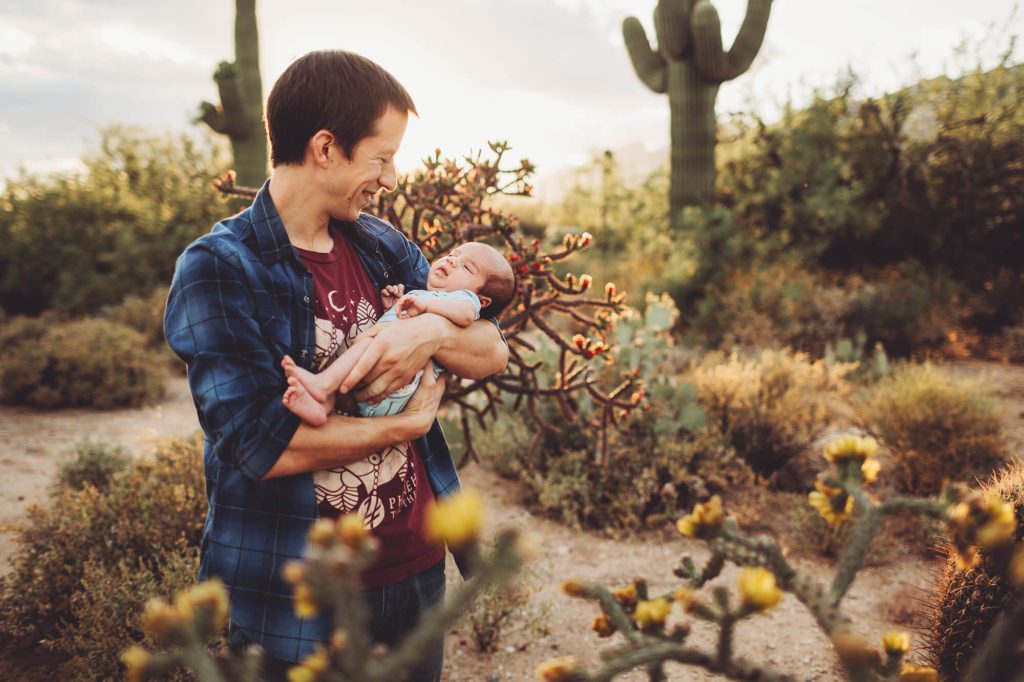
[510, 650]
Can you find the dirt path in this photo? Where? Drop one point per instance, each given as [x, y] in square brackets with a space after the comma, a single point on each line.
[550, 624]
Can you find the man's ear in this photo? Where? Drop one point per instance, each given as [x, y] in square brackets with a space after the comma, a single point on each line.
[319, 147]
[484, 300]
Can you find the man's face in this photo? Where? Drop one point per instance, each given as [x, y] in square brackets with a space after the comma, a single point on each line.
[466, 267]
[353, 182]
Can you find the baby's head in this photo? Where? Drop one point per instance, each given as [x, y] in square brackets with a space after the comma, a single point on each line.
[478, 268]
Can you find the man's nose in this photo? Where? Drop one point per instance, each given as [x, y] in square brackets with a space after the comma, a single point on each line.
[389, 177]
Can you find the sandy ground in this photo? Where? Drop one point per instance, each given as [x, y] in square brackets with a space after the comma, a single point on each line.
[550, 624]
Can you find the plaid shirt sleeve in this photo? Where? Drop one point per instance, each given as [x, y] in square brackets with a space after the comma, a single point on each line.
[211, 323]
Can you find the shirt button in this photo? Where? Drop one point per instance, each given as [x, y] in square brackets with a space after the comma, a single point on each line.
[305, 299]
[303, 354]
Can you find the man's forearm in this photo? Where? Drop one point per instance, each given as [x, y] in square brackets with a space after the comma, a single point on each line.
[473, 352]
[340, 441]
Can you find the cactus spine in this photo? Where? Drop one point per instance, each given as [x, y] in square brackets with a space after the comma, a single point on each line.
[240, 115]
[689, 65]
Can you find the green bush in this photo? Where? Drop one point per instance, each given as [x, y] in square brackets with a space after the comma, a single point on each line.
[81, 557]
[77, 243]
[91, 463]
[936, 429]
[84, 363]
[770, 407]
[144, 314]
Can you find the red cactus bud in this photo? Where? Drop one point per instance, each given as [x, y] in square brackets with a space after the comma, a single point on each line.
[514, 257]
[623, 413]
[637, 395]
[437, 151]
[609, 290]
[568, 240]
[585, 282]
[589, 353]
[580, 341]
[585, 239]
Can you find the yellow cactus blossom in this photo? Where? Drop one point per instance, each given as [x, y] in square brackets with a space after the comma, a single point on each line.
[456, 520]
[869, 470]
[896, 643]
[160, 618]
[846, 448]
[985, 522]
[918, 673]
[705, 517]
[321, 533]
[305, 604]
[758, 589]
[832, 503]
[209, 596]
[1017, 567]
[625, 595]
[563, 669]
[651, 613]
[603, 626]
[351, 531]
[136, 660]
[686, 597]
[572, 587]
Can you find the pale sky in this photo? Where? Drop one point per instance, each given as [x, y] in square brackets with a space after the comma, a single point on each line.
[550, 76]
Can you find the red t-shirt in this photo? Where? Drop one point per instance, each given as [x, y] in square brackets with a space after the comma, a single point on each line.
[389, 489]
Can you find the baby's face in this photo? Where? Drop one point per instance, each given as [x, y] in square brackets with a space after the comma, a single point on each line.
[467, 267]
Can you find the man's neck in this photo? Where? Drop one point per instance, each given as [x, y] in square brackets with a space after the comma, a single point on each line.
[295, 199]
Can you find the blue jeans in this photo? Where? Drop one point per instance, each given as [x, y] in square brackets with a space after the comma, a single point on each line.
[395, 610]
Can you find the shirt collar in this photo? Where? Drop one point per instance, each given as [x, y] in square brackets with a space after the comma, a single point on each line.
[272, 239]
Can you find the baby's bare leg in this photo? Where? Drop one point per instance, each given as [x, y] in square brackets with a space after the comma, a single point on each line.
[301, 402]
[326, 383]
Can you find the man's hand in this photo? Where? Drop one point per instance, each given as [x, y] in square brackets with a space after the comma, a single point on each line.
[390, 294]
[422, 406]
[395, 352]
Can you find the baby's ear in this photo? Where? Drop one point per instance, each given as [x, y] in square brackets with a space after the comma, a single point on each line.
[484, 301]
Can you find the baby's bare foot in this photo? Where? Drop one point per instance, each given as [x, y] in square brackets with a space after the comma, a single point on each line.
[311, 382]
[298, 400]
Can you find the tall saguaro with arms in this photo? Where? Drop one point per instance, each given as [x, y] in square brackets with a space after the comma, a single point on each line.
[689, 65]
[240, 114]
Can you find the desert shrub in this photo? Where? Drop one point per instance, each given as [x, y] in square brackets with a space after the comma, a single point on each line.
[936, 428]
[91, 463]
[144, 314]
[770, 407]
[968, 600]
[149, 521]
[76, 243]
[83, 363]
[106, 611]
[497, 608]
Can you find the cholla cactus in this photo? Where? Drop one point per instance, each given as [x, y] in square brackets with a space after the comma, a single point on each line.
[689, 65]
[240, 114]
[445, 203]
[976, 524]
[328, 578]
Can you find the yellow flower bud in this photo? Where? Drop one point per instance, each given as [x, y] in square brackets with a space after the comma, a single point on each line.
[136, 661]
[305, 604]
[559, 670]
[758, 589]
[651, 613]
[456, 520]
[705, 517]
[602, 626]
[917, 673]
[896, 643]
[317, 662]
[572, 587]
[321, 533]
[351, 531]
[625, 595]
[869, 470]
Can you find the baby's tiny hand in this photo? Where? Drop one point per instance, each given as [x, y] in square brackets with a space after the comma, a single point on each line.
[409, 306]
[390, 294]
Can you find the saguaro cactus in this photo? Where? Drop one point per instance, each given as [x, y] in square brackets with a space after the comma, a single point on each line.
[689, 65]
[240, 115]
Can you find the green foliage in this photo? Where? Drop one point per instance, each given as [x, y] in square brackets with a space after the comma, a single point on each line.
[84, 363]
[76, 243]
[937, 429]
[91, 463]
[74, 555]
[771, 407]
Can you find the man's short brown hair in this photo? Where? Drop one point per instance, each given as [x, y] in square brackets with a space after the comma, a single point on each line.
[333, 90]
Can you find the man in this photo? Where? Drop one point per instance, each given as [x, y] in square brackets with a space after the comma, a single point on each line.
[299, 273]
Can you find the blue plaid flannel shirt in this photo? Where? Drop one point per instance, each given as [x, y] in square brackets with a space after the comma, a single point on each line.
[239, 301]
